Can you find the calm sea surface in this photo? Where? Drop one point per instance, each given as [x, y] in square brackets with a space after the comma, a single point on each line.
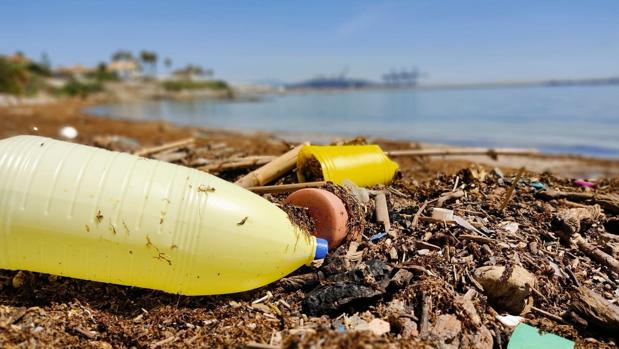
[580, 119]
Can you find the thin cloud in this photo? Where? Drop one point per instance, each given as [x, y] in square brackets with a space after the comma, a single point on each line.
[363, 21]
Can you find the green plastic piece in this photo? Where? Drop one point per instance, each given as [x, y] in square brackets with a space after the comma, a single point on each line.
[529, 337]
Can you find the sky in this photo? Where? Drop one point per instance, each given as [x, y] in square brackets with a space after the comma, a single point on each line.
[256, 41]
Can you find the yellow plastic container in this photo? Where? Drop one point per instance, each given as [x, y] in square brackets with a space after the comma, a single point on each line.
[88, 213]
[365, 165]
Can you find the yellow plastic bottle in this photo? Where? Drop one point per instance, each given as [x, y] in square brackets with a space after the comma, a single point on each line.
[364, 165]
[88, 213]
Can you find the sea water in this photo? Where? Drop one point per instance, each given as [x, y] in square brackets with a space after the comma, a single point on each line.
[575, 119]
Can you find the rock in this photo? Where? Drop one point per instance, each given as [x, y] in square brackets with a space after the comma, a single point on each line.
[393, 254]
[235, 305]
[335, 297]
[612, 225]
[396, 306]
[509, 294]
[408, 328]
[401, 278]
[445, 332]
[482, 339]
[356, 323]
[466, 303]
[101, 345]
[19, 279]
[336, 265]
[379, 327]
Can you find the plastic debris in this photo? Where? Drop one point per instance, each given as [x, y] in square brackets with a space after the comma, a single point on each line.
[329, 213]
[361, 193]
[465, 224]
[446, 215]
[443, 214]
[510, 320]
[528, 337]
[378, 236]
[364, 165]
[68, 132]
[537, 185]
[183, 214]
[584, 183]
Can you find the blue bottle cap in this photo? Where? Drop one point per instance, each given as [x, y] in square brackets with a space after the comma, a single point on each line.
[322, 248]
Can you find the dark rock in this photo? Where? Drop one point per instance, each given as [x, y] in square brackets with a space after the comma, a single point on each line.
[612, 225]
[335, 297]
[349, 289]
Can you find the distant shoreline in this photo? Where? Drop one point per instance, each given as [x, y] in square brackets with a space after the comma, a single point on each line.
[473, 85]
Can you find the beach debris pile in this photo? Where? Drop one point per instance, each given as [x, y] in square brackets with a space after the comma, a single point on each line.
[456, 260]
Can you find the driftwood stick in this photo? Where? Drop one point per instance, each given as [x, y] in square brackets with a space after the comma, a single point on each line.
[609, 202]
[426, 310]
[493, 153]
[446, 197]
[382, 211]
[272, 170]
[550, 315]
[237, 163]
[168, 146]
[419, 213]
[510, 191]
[285, 188]
[610, 237]
[596, 254]
[596, 310]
